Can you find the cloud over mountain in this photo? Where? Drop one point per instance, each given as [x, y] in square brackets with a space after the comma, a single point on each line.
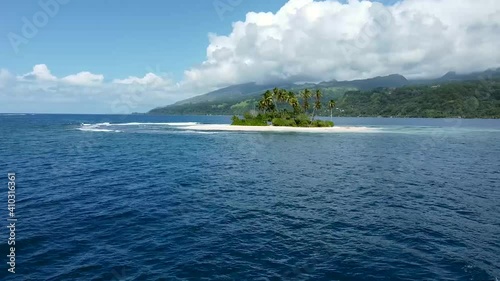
[324, 40]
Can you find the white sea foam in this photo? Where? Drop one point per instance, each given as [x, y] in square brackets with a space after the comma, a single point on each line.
[105, 126]
[97, 128]
[214, 128]
[182, 124]
[96, 125]
[88, 129]
[156, 124]
[143, 123]
[225, 127]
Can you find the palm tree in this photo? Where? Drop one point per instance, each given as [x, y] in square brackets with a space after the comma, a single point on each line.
[283, 96]
[294, 102]
[317, 103]
[317, 107]
[262, 105]
[306, 95]
[276, 96]
[331, 105]
[266, 103]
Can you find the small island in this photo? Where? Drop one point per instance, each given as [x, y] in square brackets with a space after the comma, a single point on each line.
[282, 108]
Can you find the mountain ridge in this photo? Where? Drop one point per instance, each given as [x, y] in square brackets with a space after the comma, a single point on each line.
[236, 98]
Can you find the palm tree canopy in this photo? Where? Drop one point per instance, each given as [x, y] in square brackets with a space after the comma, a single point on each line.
[276, 92]
[331, 104]
[283, 96]
[268, 94]
[317, 105]
[294, 102]
[307, 93]
[318, 94]
[267, 102]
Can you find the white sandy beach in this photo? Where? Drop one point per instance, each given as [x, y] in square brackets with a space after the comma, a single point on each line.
[226, 127]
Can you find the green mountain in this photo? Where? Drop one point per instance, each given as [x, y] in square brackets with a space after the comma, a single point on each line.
[391, 95]
[228, 94]
[390, 81]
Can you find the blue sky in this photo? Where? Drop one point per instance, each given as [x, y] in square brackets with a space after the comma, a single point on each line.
[120, 38]
[121, 56]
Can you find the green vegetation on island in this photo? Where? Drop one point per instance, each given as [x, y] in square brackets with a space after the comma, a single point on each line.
[282, 108]
[451, 96]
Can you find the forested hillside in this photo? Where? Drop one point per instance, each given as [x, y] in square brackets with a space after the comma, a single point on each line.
[475, 99]
[468, 99]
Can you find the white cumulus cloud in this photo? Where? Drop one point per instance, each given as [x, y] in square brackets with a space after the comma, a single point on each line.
[84, 79]
[40, 73]
[310, 40]
[40, 91]
[150, 79]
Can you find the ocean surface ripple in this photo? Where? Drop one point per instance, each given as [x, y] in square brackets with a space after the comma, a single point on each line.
[139, 198]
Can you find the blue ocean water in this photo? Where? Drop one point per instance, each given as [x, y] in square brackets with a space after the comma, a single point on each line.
[141, 198]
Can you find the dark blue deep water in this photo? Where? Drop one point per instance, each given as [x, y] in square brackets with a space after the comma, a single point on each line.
[415, 199]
